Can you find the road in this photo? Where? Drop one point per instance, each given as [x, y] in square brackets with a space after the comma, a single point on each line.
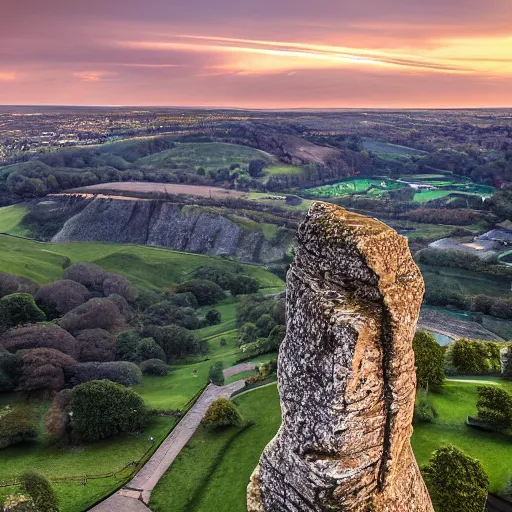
[135, 495]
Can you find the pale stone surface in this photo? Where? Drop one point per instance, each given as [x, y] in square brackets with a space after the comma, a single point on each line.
[346, 374]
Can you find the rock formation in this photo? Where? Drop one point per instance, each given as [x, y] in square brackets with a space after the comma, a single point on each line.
[346, 374]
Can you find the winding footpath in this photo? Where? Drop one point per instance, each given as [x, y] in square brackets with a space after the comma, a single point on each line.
[135, 495]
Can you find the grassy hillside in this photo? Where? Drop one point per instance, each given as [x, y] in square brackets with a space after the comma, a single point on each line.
[10, 220]
[211, 463]
[146, 267]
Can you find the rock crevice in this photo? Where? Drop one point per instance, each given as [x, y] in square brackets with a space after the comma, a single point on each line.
[346, 374]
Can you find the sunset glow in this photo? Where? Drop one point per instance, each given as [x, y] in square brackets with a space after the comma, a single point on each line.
[269, 54]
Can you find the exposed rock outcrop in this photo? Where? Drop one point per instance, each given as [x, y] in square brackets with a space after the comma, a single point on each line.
[346, 374]
[173, 226]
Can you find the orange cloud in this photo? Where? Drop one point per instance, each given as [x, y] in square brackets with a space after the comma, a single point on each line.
[7, 76]
[93, 76]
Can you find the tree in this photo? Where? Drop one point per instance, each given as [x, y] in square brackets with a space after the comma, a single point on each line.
[39, 489]
[494, 405]
[206, 292]
[122, 372]
[424, 410]
[57, 418]
[184, 300]
[177, 342]
[429, 360]
[148, 348]
[114, 284]
[10, 283]
[222, 413]
[456, 482]
[474, 357]
[59, 297]
[256, 168]
[216, 375]
[154, 367]
[88, 274]
[103, 409]
[44, 369]
[10, 370]
[243, 285]
[127, 346]
[41, 336]
[213, 317]
[94, 314]
[248, 333]
[96, 345]
[21, 309]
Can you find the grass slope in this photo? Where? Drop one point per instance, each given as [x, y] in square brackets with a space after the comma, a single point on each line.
[10, 220]
[213, 471]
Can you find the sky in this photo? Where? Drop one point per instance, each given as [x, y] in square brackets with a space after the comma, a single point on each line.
[257, 54]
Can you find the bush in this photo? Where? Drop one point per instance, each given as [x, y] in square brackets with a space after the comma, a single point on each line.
[213, 317]
[178, 342]
[19, 502]
[44, 369]
[124, 308]
[41, 336]
[429, 361]
[127, 346]
[18, 425]
[494, 406]
[40, 490]
[221, 413]
[20, 309]
[243, 285]
[216, 375]
[424, 410]
[184, 300]
[154, 367]
[96, 345]
[103, 409]
[57, 419]
[248, 333]
[114, 284]
[95, 314]
[456, 482]
[10, 283]
[58, 298]
[122, 372]
[264, 325]
[88, 274]
[165, 312]
[10, 370]
[474, 357]
[148, 348]
[206, 292]
[252, 308]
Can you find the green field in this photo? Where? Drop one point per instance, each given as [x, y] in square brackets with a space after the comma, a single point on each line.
[213, 463]
[10, 220]
[208, 155]
[353, 186]
[276, 170]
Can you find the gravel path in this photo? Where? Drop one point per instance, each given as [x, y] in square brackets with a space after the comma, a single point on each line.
[239, 368]
[137, 493]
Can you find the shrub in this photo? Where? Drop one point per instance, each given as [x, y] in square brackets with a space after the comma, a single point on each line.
[40, 490]
[456, 482]
[154, 367]
[95, 314]
[44, 369]
[60, 297]
[213, 317]
[103, 409]
[252, 308]
[216, 375]
[127, 345]
[124, 308]
[223, 342]
[10, 283]
[88, 274]
[222, 413]
[474, 357]
[18, 425]
[57, 419]
[114, 284]
[148, 348]
[429, 360]
[264, 325]
[20, 309]
[184, 300]
[19, 502]
[243, 285]
[219, 276]
[10, 370]
[96, 345]
[424, 410]
[41, 336]
[178, 342]
[122, 372]
[248, 333]
[206, 292]
[165, 313]
[494, 406]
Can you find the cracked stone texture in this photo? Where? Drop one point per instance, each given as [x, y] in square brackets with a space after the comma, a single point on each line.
[346, 374]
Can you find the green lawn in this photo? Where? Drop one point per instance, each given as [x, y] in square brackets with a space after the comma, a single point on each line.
[10, 220]
[146, 267]
[276, 170]
[213, 471]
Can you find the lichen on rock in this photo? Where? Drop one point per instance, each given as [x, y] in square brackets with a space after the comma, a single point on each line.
[346, 374]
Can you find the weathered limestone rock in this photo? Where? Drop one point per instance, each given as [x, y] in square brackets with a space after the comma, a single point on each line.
[346, 374]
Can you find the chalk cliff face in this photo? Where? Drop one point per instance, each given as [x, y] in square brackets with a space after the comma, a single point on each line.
[173, 226]
[346, 374]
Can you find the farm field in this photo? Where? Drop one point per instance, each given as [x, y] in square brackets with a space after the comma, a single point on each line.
[275, 170]
[208, 155]
[352, 186]
[212, 462]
